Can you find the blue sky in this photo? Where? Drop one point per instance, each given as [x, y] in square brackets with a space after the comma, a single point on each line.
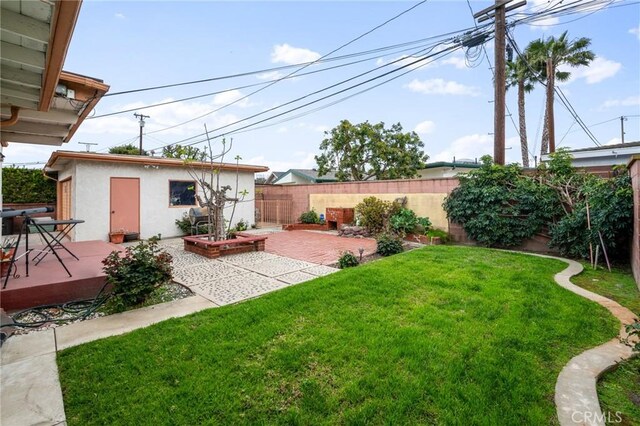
[133, 45]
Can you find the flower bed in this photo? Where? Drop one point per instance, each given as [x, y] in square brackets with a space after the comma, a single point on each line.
[213, 249]
[305, 227]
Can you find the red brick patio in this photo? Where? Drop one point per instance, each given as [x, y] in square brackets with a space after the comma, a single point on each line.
[316, 247]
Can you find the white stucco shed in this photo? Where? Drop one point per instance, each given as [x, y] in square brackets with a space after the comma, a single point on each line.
[136, 193]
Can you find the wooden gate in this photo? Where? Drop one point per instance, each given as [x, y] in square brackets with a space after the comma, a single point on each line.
[279, 212]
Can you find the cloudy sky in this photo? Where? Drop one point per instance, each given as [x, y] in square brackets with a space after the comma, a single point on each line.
[446, 99]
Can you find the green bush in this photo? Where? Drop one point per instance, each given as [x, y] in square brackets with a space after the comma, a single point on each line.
[242, 225]
[374, 214]
[21, 185]
[128, 149]
[135, 274]
[347, 260]
[404, 221]
[184, 224]
[499, 206]
[439, 233]
[389, 244]
[310, 217]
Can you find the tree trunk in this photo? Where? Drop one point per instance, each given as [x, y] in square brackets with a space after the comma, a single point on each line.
[523, 125]
[544, 146]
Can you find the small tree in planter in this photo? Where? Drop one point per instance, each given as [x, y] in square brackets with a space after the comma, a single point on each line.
[214, 196]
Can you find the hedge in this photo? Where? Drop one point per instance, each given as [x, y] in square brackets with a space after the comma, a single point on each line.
[22, 185]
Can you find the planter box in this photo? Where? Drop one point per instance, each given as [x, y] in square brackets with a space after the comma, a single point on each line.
[214, 249]
[306, 227]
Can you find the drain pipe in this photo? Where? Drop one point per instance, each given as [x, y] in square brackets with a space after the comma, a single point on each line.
[11, 120]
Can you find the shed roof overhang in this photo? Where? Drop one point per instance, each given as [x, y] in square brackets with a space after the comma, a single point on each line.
[59, 159]
[40, 103]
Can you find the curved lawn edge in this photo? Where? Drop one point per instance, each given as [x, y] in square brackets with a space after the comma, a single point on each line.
[576, 397]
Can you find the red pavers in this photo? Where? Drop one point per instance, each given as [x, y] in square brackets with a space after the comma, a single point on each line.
[316, 247]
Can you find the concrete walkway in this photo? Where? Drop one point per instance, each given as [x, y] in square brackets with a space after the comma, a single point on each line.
[576, 396]
[30, 392]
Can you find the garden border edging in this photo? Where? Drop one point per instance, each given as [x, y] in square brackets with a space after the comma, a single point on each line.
[576, 397]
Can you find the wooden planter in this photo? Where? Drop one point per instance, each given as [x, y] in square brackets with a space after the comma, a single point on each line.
[214, 249]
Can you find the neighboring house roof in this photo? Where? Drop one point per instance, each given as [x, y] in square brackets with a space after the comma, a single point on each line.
[59, 159]
[274, 176]
[309, 175]
[452, 165]
[606, 155]
[40, 103]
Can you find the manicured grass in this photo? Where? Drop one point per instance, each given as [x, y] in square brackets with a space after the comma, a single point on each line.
[619, 390]
[619, 393]
[446, 335]
[618, 285]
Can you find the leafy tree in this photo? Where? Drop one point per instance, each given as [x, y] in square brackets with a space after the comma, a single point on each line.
[520, 75]
[22, 185]
[128, 149]
[561, 51]
[183, 152]
[366, 151]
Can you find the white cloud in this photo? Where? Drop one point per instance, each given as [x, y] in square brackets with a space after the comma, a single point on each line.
[231, 96]
[306, 160]
[439, 86]
[17, 153]
[271, 75]
[120, 15]
[599, 69]
[457, 61]
[283, 53]
[635, 31]
[406, 61]
[425, 127]
[537, 6]
[629, 101]
[475, 146]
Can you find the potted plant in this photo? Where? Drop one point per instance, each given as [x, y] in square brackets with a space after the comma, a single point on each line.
[8, 248]
[117, 237]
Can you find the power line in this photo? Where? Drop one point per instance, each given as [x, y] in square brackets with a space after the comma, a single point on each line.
[294, 72]
[408, 65]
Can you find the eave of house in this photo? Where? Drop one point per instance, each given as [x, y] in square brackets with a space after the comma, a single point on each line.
[35, 37]
[59, 159]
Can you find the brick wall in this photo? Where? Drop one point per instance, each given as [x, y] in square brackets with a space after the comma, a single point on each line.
[634, 169]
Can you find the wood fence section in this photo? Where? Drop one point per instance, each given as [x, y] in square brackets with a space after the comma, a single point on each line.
[278, 212]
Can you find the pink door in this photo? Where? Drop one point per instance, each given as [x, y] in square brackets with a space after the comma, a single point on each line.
[125, 204]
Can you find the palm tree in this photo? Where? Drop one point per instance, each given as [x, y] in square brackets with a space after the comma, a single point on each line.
[520, 75]
[561, 51]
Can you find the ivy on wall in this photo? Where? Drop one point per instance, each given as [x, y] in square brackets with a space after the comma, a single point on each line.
[22, 185]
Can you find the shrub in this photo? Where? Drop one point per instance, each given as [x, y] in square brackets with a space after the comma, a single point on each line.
[184, 225]
[347, 260]
[374, 214]
[242, 225]
[389, 244]
[439, 233]
[136, 273]
[499, 206]
[404, 221]
[22, 185]
[310, 217]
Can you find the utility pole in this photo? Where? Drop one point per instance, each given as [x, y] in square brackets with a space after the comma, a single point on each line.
[550, 120]
[499, 81]
[622, 120]
[141, 122]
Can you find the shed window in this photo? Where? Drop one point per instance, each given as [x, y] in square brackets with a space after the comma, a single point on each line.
[182, 193]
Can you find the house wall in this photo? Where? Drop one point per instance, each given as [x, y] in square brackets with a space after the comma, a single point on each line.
[634, 169]
[91, 197]
[442, 172]
[290, 178]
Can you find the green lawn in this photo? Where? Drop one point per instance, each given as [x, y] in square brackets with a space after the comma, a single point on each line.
[618, 285]
[619, 390]
[446, 335]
